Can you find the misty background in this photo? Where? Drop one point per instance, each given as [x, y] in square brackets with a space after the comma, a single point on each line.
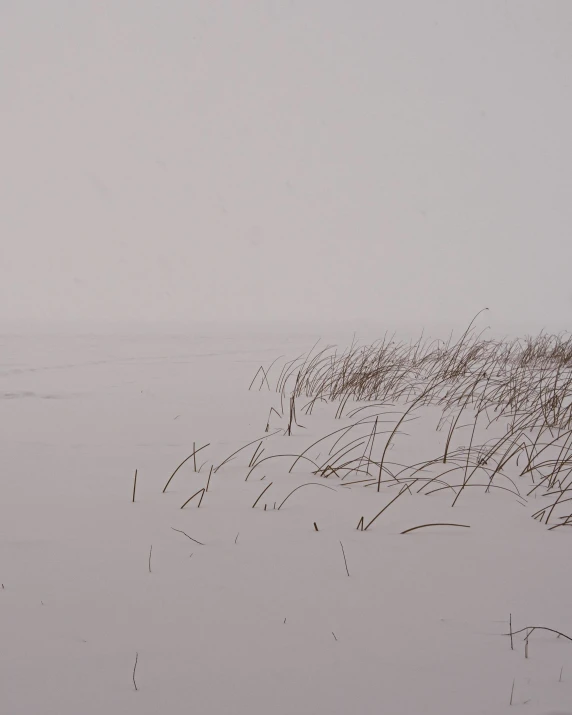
[302, 160]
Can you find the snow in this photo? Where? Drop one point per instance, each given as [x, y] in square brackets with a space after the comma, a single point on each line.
[263, 617]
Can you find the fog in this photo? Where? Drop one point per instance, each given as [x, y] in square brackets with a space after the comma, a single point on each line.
[310, 160]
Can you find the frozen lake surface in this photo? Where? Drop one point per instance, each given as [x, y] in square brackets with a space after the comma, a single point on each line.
[261, 617]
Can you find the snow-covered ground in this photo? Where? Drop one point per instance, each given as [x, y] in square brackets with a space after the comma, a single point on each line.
[261, 617]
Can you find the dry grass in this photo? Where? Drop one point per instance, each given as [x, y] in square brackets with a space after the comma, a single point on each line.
[518, 393]
[515, 396]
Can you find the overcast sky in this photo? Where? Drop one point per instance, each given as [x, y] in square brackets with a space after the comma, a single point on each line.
[286, 159]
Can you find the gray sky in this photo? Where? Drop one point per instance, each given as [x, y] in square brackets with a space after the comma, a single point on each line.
[303, 159]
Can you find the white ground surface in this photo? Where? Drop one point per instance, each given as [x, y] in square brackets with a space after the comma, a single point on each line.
[245, 627]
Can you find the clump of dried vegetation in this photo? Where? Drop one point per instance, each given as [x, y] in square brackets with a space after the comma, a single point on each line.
[510, 399]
